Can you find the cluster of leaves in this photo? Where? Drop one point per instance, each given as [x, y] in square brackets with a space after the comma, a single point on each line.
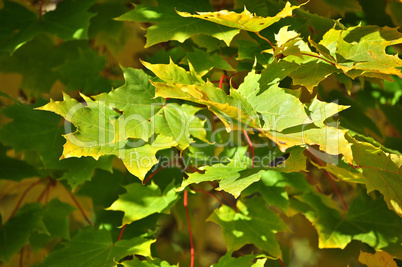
[235, 104]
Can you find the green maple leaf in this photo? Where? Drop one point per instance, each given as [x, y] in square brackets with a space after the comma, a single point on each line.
[18, 25]
[141, 201]
[381, 171]
[272, 185]
[95, 247]
[279, 109]
[227, 261]
[394, 9]
[140, 159]
[189, 86]
[36, 61]
[70, 20]
[79, 56]
[179, 122]
[237, 175]
[244, 21]
[15, 232]
[171, 26]
[135, 99]
[239, 228]
[138, 263]
[55, 218]
[251, 50]
[38, 131]
[310, 74]
[241, 107]
[336, 231]
[344, 5]
[360, 51]
[203, 61]
[320, 111]
[14, 169]
[95, 133]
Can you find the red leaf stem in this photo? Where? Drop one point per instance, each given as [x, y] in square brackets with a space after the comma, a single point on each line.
[40, 8]
[224, 197]
[250, 145]
[189, 226]
[29, 188]
[209, 194]
[121, 232]
[45, 191]
[79, 207]
[152, 175]
[22, 257]
[312, 182]
[221, 80]
[222, 5]
[281, 262]
[262, 37]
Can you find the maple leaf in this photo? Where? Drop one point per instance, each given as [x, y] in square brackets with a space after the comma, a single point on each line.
[95, 247]
[360, 51]
[95, 135]
[203, 62]
[15, 232]
[70, 20]
[141, 201]
[244, 21]
[382, 171]
[336, 231]
[179, 122]
[228, 260]
[379, 258]
[239, 227]
[237, 175]
[31, 130]
[171, 26]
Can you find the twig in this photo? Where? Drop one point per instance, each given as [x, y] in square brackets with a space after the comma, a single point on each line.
[224, 197]
[30, 187]
[121, 232]
[79, 207]
[209, 194]
[189, 226]
[22, 257]
[250, 145]
[262, 37]
[281, 262]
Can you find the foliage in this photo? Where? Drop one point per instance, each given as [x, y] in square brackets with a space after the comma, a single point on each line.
[257, 133]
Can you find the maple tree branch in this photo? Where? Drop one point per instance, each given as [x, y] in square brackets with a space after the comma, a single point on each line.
[189, 226]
